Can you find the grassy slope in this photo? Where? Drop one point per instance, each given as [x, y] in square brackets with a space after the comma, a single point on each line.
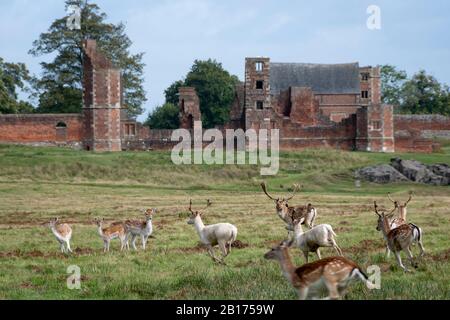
[36, 184]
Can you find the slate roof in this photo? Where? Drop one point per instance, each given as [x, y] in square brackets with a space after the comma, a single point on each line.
[322, 78]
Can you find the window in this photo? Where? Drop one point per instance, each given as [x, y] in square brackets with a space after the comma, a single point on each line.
[259, 66]
[259, 85]
[259, 105]
[375, 125]
[365, 76]
[130, 130]
[365, 94]
[61, 125]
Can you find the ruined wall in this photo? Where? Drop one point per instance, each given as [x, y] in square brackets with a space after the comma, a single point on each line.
[415, 133]
[102, 98]
[42, 129]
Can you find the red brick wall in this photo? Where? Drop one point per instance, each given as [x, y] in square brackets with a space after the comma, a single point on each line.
[415, 133]
[31, 129]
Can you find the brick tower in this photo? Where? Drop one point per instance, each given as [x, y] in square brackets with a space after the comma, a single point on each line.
[102, 97]
[189, 107]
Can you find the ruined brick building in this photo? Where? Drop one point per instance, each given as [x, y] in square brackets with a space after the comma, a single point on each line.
[313, 105]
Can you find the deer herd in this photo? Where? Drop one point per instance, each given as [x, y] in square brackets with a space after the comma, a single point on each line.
[332, 274]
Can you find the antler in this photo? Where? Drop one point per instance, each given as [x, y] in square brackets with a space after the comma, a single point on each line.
[296, 189]
[376, 209]
[389, 196]
[208, 204]
[264, 187]
[410, 198]
[190, 207]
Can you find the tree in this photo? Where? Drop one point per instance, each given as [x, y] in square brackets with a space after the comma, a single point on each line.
[423, 94]
[13, 77]
[171, 93]
[215, 87]
[60, 88]
[391, 83]
[164, 117]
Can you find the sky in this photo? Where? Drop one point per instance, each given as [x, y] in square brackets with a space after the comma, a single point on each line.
[173, 33]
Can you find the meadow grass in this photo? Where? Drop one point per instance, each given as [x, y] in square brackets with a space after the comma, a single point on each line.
[37, 184]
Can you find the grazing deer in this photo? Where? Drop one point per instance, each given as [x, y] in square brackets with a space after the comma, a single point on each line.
[333, 274]
[143, 229]
[311, 240]
[222, 234]
[116, 230]
[288, 213]
[401, 238]
[402, 212]
[63, 234]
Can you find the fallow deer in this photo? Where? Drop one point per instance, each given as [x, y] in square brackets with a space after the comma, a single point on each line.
[402, 211]
[288, 213]
[143, 229]
[222, 234]
[333, 274]
[321, 236]
[401, 238]
[63, 234]
[116, 230]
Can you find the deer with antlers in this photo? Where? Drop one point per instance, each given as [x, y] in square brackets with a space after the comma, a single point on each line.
[401, 209]
[222, 234]
[400, 238]
[333, 274]
[307, 214]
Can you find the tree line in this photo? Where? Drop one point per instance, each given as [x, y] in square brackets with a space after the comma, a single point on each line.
[59, 88]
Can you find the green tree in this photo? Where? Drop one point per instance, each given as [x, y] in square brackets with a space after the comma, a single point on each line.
[60, 88]
[392, 81]
[423, 94]
[164, 117]
[171, 93]
[13, 76]
[215, 87]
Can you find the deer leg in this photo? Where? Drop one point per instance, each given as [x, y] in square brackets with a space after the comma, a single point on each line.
[63, 249]
[133, 242]
[306, 254]
[422, 250]
[336, 247]
[399, 261]
[144, 242]
[302, 293]
[211, 253]
[332, 290]
[318, 254]
[411, 258]
[68, 246]
[388, 252]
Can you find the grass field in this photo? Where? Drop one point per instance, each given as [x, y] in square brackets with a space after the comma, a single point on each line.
[37, 184]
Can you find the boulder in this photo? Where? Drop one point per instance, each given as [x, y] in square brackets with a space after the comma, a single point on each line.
[381, 174]
[441, 169]
[418, 172]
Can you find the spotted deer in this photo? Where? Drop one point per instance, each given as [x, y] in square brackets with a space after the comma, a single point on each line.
[400, 238]
[115, 231]
[222, 234]
[333, 274]
[402, 211]
[63, 234]
[143, 229]
[288, 214]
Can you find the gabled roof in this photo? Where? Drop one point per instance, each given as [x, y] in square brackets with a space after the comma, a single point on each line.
[322, 78]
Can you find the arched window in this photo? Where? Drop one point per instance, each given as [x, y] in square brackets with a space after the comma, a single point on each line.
[61, 125]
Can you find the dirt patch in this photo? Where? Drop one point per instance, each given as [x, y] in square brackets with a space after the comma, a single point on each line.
[344, 223]
[343, 229]
[367, 245]
[442, 256]
[84, 251]
[240, 245]
[28, 285]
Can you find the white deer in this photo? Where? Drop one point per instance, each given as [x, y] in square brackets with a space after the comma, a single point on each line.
[222, 234]
[63, 234]
[311, 240]
[143, 229]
